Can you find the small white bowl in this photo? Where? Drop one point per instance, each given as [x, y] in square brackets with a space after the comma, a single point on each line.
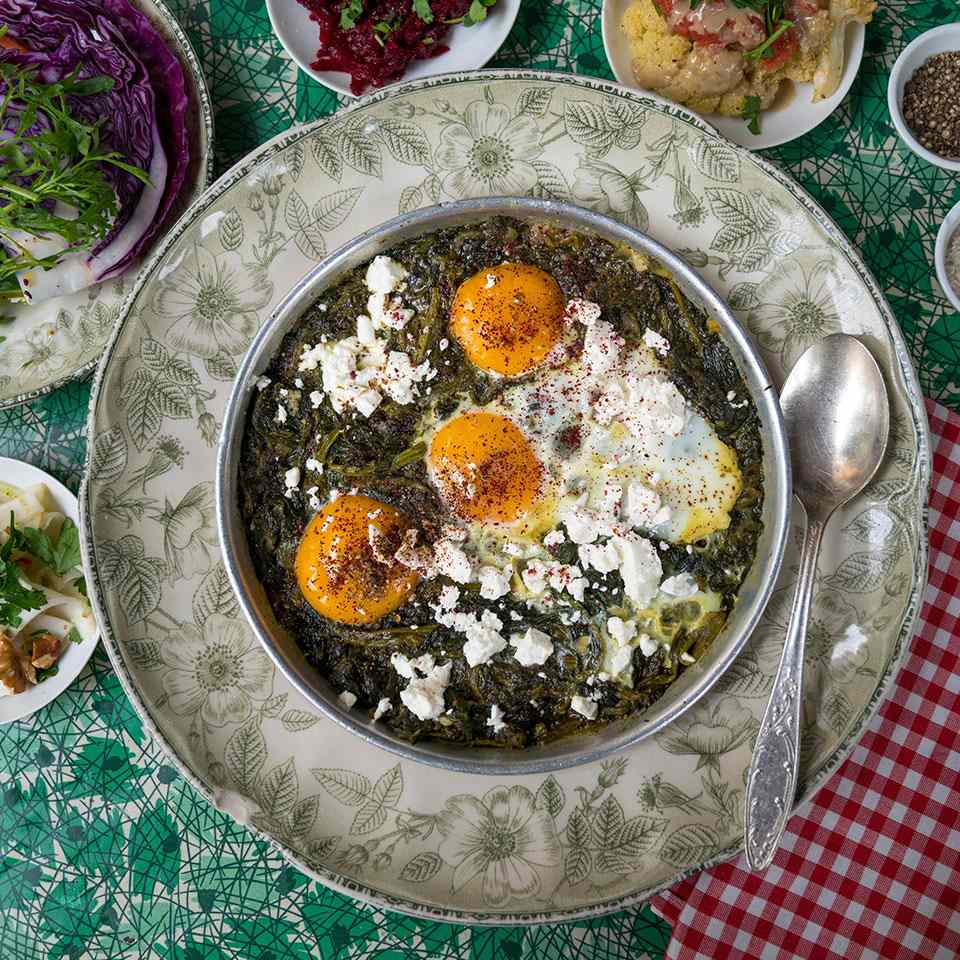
[914, 55]
[470, 47]
[949, 227]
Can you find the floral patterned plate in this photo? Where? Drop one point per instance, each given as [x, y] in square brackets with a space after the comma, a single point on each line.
[49, 344]
[405, 836]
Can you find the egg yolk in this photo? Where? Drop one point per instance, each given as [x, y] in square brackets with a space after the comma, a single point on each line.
[485, 467]
[337, 565]
[508, 318]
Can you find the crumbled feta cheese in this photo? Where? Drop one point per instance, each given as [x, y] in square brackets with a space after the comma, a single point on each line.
[640, 568]
[687, 658]
[537, 574]
[311, 357]
[483, 634]
[515, 616]
[281, 414]
[603, 557]
[491, 281]
[384, 275]
[584, 706]
[298, 383]
[512, 549]
[367, 402]
[656, 342]
[554, 538]
[623, 631]
[366, 333]
[283, 392]
[494, 583]
[388, 312]
[263, 383]
[383, 706]
[681, 586]
[348, 699]
[533, 648]
[496, 718]
[583, 526]
[448, 597]
[585, 311]
[731, 395]
[406, 667]
[399, 376]
[655, 406]
[314, 465]
[424, 696]
[444, 343]
[648, 647]
[316, 398]
[601, 348]
[449, 559]
[642, 507]
[291, 480]
[312, 498]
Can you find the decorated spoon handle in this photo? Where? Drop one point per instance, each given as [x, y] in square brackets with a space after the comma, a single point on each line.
[772, 781]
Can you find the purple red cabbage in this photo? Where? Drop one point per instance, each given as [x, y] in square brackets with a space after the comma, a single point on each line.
[111, 38]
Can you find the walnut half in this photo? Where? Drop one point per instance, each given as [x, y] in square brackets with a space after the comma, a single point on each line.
[46, 650]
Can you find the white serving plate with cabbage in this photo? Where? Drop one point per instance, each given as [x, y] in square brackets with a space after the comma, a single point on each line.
[48, 595]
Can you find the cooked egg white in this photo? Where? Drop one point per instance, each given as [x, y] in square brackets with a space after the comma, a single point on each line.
[613, 439]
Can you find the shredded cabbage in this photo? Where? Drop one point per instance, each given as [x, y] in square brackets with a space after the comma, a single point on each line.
[144, 116]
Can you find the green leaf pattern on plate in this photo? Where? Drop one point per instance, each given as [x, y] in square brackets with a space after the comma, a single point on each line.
[558, 844]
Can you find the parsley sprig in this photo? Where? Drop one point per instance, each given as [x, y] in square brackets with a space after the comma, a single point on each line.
[46, 155]
[60, 553]
[752, 108]
[15, 598]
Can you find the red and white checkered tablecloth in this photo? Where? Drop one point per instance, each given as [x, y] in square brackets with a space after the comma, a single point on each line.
[870, 868]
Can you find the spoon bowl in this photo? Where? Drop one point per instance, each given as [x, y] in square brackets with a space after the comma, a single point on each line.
[837, 419]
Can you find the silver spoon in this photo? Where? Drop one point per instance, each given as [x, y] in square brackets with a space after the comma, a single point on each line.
[838, 418]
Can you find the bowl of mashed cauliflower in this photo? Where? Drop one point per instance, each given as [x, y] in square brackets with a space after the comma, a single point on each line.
[761, 71]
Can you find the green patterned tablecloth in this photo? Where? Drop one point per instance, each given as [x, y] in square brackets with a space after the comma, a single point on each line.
[105, 852]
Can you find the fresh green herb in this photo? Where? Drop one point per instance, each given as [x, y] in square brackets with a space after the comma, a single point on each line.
[752, 107]
[350, 14]
[15, 598]
[766, 48]
[382, 30]
[45, 673]
[410, 455]
[422, 9]
[74, 636]
[476, 14]
[58, 159]
[61, 555]
[478, 11]
[81, 584]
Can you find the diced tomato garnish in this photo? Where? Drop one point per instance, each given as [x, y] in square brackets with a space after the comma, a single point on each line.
[691, 28]
[783, 50]
[10, 44]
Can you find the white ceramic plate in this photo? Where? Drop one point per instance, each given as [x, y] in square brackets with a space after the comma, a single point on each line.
[470, 47]
[780, 125]
[452, 846]
[52, 343]
[76, 655]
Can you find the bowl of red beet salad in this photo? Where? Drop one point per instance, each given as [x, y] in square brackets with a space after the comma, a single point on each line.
[377, 42]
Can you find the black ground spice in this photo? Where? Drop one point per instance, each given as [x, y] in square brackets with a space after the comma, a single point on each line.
[931, 105]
